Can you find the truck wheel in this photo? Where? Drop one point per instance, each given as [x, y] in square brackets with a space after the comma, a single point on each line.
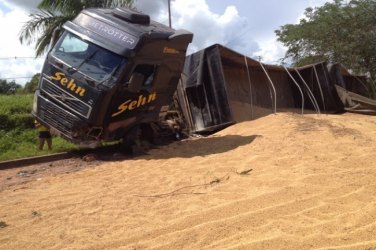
[138, 140]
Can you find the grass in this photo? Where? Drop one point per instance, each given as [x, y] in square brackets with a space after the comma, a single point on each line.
[20, 144]
[15, 103]
[18, 138]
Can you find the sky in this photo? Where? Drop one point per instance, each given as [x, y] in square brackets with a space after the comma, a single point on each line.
[246, 26]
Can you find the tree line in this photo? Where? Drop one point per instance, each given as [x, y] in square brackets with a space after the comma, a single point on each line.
[11, 87]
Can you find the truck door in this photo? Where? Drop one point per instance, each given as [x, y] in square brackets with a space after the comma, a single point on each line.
[135, 100]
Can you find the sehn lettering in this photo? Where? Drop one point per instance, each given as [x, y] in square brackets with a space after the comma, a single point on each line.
[133, 104]
[68, 83]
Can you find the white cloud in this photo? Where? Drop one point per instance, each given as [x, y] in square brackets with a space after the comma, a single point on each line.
[270, 52]
[157, 9]
[21, 4]
[228, 29]
[10, 47]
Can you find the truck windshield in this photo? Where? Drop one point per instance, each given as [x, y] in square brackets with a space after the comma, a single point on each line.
[85, 57]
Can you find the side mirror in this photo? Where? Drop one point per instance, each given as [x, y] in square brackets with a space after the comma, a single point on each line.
[54, 38]
[135, 82]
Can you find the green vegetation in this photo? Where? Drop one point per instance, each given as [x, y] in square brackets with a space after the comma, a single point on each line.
[31, 85]
[18, 138]
[338, 32]
[9, 87]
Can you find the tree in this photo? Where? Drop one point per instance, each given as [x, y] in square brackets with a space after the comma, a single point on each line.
[8, 88]
[54, 13]
[341, 31]
[32, 85]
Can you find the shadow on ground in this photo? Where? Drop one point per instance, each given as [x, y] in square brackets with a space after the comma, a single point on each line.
[187, 148]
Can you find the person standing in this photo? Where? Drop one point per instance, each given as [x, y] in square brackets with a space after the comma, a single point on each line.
[44, 135]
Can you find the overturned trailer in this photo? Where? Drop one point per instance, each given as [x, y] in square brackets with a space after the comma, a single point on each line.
[220, 87]
[353, 90]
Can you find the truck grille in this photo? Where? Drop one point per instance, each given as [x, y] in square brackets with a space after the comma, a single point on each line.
[57, 117]
[66, 99]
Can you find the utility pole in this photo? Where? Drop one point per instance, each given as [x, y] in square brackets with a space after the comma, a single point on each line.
[169, 13]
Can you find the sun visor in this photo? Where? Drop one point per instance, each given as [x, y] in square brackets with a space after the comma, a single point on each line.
[181, 36]
[99, 40]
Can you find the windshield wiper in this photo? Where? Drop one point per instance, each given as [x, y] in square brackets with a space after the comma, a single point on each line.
[74, 69]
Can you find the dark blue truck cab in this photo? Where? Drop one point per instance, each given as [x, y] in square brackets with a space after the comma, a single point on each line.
[109, 71]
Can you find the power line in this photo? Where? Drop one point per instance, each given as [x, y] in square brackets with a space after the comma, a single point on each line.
[20, 77]
[20, 57]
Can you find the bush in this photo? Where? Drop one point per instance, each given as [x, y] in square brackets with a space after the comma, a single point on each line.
[18, 138]
[15, 112]
[22, 121]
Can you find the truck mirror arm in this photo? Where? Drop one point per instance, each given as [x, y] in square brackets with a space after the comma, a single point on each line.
[54, 38]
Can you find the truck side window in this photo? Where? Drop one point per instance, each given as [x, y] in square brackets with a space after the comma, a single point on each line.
[148, 71]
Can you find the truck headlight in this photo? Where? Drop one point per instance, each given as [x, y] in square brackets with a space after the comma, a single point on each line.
[35, 103]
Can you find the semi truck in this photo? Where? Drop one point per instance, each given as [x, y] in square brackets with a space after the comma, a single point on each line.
[109, 74]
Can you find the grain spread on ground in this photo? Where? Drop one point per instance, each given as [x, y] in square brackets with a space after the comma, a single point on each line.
[284, 181]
